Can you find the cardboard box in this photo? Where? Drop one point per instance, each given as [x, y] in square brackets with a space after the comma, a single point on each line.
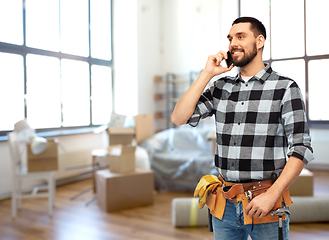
[144, 127]
[303, 185]
[121, 158]
[121, 135]
[118, 191]
[45, 161]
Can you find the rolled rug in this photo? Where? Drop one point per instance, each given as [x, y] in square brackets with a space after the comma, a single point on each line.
[309, 209]
[186, 213]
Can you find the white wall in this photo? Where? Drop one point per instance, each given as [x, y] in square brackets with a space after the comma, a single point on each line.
[148, 51]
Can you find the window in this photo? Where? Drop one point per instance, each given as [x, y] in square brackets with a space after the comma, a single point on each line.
[56, 63]
[294, 46]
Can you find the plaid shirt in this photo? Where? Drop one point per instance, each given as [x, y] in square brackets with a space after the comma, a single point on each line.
[259, 124]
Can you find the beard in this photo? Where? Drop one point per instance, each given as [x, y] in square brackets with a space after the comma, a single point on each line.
[247, 58]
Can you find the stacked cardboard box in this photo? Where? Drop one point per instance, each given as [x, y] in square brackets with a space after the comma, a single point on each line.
[123, 140]
[122, 158]
[121, 150]
[123, 185]
[121, 135]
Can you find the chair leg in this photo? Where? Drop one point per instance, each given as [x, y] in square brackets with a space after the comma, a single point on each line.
[19, 193]
[54, 189]
[13, 200]
[51, 193]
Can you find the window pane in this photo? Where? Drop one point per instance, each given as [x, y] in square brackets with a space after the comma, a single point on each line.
[11, 21]
[75, 93]
[43, 91]
[261, 12]
[12, 94]
[294, 69]
[318, 84]
[316, 16]
[101, 94]
[100, 29]
[42, 24]
[287, 23]
[74, 30]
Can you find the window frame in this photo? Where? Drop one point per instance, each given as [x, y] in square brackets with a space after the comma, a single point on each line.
[306, 58]
[23, 50]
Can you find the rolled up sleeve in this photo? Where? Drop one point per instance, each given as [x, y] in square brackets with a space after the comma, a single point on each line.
[295, 125]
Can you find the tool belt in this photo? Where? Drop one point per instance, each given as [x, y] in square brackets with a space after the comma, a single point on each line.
[214, 192]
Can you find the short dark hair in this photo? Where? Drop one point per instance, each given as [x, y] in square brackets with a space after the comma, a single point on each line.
[257, 27]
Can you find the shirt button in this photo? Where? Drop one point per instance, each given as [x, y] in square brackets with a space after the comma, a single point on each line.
[242, 103]
[247, 85]
[239, 123]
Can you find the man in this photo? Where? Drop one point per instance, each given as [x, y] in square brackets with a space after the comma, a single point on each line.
[260, 123]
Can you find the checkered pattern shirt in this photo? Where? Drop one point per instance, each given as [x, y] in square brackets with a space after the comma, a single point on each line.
[259, 124]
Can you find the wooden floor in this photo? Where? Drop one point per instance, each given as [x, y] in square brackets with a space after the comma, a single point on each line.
[73, 220]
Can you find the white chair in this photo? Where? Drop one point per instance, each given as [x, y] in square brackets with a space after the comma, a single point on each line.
[20, 175]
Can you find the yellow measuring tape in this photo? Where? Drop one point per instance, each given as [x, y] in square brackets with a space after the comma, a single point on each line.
[194, 212]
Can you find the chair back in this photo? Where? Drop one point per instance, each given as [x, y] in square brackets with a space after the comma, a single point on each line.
[14, 151]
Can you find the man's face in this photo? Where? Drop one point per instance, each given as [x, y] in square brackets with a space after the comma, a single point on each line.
[242, 44]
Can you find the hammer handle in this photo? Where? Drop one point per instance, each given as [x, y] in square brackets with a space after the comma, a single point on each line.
[280, 229]
[280, 234]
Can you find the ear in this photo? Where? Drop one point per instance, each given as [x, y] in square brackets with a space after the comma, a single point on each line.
[260, 41]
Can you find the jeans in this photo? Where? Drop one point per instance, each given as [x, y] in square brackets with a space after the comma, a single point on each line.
[232, 226]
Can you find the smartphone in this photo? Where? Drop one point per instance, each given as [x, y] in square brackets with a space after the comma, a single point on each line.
[229, 60]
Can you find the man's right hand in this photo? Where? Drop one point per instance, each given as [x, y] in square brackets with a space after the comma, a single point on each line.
[213, 66]
[186, 104]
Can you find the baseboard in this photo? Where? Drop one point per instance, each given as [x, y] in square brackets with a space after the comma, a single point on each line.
[5, 196]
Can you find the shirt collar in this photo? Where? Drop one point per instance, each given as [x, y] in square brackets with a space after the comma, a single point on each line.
[260, 76]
